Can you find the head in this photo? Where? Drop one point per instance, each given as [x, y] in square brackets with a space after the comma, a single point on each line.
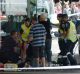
[59, 17]
[64, 18]
[79, 5]
[41, 17]
[67, 5]
[27, 22]
[33, 20]
[58, 5]
[73, 5]
[10, 18]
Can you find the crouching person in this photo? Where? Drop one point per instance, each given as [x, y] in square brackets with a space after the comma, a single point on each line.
[9, 47]
[67, 40]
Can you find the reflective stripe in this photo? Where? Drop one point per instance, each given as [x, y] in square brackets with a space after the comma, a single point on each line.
[64, 56]
[60, 56]
[68, 53]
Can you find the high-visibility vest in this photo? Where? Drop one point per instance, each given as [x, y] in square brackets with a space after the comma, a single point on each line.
[72, 32]
[26, 31]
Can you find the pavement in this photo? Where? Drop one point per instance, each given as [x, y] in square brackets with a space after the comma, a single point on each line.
[55, 50]
[69, 71]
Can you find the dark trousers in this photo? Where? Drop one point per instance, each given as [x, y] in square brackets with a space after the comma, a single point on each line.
[6, 56]
[67, 47]
[48, 49]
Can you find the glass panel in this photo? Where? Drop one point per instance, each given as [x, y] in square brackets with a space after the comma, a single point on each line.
[14, 41]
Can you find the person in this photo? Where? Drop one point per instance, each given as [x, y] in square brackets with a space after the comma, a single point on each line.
[78, 9]
[8, 27]
[48, 27]
[78, 32]
[67, 9]
[58, 8]
[60, 43]
[25, 30]
[8, 48]
[74, 9]
[67, 40]
[37, 36]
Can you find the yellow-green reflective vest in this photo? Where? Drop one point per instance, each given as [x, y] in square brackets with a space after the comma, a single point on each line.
[72, 32]
[26, 31]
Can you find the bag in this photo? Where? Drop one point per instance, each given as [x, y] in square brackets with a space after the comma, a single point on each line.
[1, 65]
[10, 67]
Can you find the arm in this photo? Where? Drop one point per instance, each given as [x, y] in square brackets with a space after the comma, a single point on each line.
[30, 37]
[65, 33]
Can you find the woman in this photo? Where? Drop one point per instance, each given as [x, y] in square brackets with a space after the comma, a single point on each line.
[25, 28]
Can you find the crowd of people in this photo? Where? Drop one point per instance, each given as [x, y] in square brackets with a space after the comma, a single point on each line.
[31, 43]
[68, 8]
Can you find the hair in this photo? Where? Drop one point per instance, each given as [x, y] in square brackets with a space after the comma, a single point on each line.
[34, 18]
[39, 17]
[65, 16]
[59, 15]
[10, 17]
[26, 19]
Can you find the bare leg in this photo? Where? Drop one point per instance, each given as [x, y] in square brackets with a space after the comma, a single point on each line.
[43, 61]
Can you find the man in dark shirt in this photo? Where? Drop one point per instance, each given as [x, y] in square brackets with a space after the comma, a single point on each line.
[8, 48]
[48, 42]
[9, 26]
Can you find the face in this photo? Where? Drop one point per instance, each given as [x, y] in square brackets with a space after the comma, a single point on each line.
[33, 22]
[67, 6]
[73, 5]
[27, 23]
[59, 19]
[65, 19]
[42, 18]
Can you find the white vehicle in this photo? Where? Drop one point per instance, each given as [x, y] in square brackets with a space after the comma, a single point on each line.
[40, 11]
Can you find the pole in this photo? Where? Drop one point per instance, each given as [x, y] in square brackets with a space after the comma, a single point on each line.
[36, 7]
[62, 5]
[1, 5]
[28, 8]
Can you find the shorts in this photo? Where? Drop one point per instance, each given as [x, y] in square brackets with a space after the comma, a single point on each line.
[38, 51]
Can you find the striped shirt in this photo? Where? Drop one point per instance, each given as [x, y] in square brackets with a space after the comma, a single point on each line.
[38, 32]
